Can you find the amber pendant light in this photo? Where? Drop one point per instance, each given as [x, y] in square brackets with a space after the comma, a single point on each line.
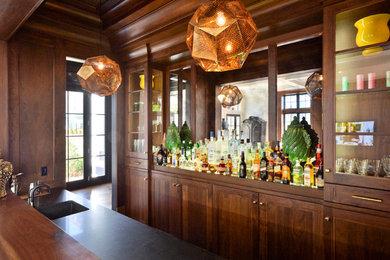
[100, 75]
[230, 96]
[221, 34]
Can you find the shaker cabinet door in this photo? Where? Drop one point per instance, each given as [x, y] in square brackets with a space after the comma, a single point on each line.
[290, 228]
[137, 190]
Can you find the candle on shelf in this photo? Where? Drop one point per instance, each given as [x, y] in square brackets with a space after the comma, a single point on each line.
[388, 78]
[359, 81]
[371, 80]
[345, 83]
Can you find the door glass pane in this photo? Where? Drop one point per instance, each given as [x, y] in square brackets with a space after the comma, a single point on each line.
[75, 169]
[75, 124]
[186, 96]
[98, 124]
[75, 102]
[75, 147]
[98, 166]
[97, 145]
[97, 105]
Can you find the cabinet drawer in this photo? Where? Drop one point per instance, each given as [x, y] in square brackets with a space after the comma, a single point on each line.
[138, 163]
[360, 197]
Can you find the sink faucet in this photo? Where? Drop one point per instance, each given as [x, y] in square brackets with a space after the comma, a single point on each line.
[31, 192]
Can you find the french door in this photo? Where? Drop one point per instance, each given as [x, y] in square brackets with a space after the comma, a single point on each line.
[88, 136]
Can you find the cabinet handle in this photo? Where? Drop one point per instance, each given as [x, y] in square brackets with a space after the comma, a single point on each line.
[146, 178]
[254, 202]
[178, 185]
[136, 163]
[174, 184]
[327, 219]
[261, 203]
[327, 170]
[365, 198]
[145, 152]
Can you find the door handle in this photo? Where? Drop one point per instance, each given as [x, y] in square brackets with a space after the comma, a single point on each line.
[327, 219]
[146, 178]
[254, 202]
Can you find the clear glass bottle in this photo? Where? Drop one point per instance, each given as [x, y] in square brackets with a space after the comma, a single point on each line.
[297, 174]
[236, 163]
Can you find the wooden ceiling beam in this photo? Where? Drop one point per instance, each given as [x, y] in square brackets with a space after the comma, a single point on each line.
[13, 13]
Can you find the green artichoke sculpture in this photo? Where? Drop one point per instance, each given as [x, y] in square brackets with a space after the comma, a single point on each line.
[173, 138]
[296, 141]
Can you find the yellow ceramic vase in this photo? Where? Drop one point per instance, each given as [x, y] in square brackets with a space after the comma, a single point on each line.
[142, 81]
[372, 29]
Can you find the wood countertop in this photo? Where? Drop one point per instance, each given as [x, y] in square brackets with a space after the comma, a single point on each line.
[27, 234]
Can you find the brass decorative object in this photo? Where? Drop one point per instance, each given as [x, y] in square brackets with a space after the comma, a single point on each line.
[230, 96]
[313, 85]
[220, 35]
[6, 170]
[100, 75]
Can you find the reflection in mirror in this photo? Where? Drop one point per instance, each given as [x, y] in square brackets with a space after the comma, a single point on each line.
[249, 119]
[180, 97]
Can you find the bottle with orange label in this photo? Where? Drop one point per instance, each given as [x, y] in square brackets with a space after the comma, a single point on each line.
[286, 171]
[256, 166]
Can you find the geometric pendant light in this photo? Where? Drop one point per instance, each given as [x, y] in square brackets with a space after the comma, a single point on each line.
[230, 96]
[100, 75]
[220, 35]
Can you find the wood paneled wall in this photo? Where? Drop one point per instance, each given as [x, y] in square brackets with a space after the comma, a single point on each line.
[37, 84]
[3, 100]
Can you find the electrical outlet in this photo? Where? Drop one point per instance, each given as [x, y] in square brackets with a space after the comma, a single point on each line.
[44, 171]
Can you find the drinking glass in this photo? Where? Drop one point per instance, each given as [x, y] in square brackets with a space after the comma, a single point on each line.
[362, 167]
[375, 168]
[351, 166]
[386, 165]
[340, 165]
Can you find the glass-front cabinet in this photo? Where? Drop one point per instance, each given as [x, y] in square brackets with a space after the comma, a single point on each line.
[136, 114]
[361, 96]
[157, 118]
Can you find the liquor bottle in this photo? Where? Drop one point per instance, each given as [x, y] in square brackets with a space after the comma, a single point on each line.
[268, 150]
[249, 164]
[212, 168]
[232, 143]
[182, 158]
[256, 166]
[289, 164]
[197, 165]
[183, 149]
[270, 170]
[160, 156]
[205, 164]
[169, 159]
[278, 163]
[211, 149]
[236, 163]
[276, 150]
[221, 168]
[225, 148]
[165, 157]
[308, 173]
[177, 160]
[285, 172]
[218, 147]
[263, 168]
[318, 159]
[297, 174]
[241, 147]
[229, 166]
[190, 151]
[242, 173]
[320, 176]
[174, 157]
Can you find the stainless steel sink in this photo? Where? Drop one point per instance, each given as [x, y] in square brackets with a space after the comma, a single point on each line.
[62, 209]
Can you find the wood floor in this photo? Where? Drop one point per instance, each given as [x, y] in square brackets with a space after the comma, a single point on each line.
[100, 194]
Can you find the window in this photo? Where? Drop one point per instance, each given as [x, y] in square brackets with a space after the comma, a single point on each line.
[294, 104]
[88, 127]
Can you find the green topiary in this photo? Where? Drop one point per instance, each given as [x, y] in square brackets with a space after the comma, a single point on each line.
[173, 138]
[185, 134]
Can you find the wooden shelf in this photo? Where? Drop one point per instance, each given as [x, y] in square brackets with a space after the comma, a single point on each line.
[355, 49]
[136, 133]
[350, 92]
[384, 134]
[136, 112]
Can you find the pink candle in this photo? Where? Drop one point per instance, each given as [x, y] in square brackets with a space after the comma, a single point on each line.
[359, 81]
[371, 80]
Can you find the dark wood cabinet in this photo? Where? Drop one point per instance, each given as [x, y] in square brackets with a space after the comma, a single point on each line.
[166, 204]
[137, 190]
[196, 208]
[235, 223]
[290, 228]
[358, 236]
